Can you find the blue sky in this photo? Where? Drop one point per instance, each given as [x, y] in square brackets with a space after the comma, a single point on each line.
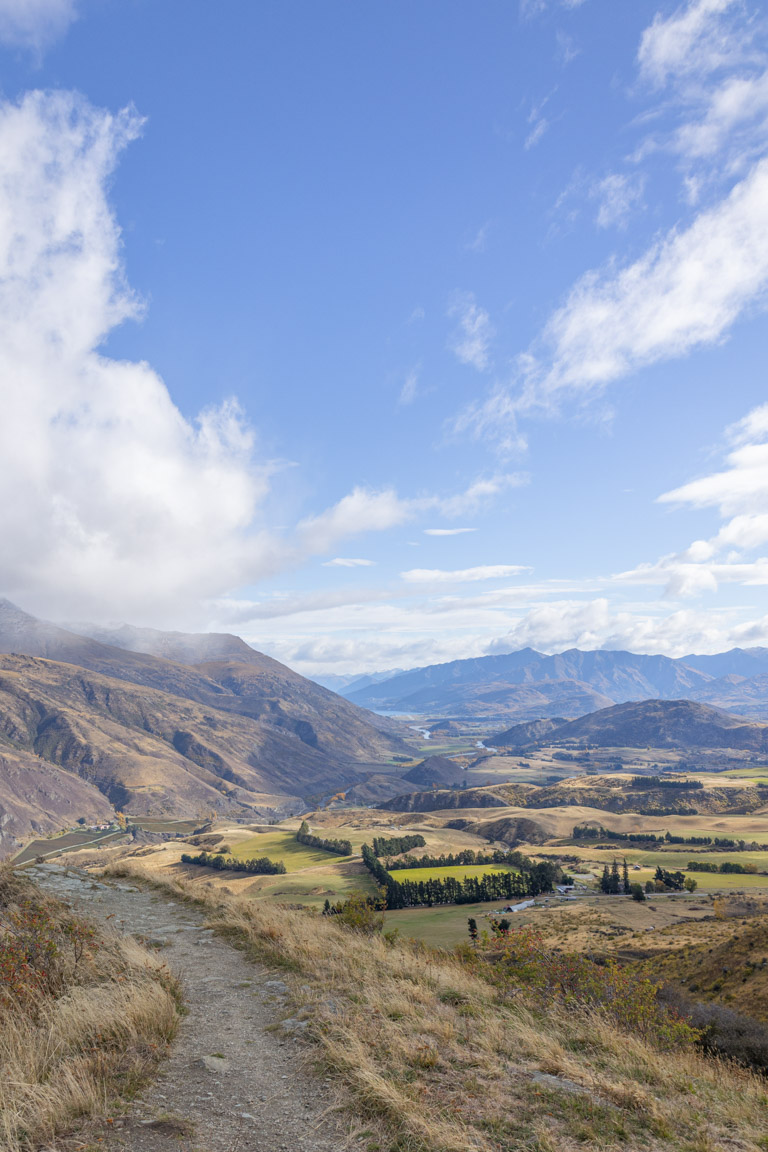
[384, 334]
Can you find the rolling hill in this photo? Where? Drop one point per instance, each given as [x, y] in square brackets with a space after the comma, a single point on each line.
[683, 724]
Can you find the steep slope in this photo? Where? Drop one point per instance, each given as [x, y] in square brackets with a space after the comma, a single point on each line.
[568, 683]
[37, 798]
[236, 678]
[151, 752]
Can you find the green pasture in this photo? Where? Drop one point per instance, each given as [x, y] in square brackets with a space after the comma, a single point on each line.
[443, 926]
[313, 887]
[281, 844]
[458, 872]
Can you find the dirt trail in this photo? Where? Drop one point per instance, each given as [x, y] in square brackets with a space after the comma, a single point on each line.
[239, 1075]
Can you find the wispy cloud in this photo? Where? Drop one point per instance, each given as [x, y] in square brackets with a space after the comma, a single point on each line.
[462, 575]
[447, 531]
[348, 562]
[35, 24]
[471, 342]
[739, 493]
[619, 196]
[409, 390]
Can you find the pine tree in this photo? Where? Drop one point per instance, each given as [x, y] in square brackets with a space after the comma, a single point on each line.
[625, 875]
[615, 880]
[605, 880]
[472, 925]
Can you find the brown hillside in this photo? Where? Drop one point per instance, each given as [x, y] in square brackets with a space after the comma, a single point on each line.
[151, 752]
[39, 798]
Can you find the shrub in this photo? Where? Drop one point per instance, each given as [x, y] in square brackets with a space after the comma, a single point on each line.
[637, 891]
[720, 1030]
[629, 1001]
[362, 913]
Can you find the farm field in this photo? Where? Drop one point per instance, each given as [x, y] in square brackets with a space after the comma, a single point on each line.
[592, 922]
[279, 844]
[67, 842]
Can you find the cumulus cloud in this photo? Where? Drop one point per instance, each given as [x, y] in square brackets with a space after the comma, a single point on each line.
[595, 624]
[35, 23]
[472, 339]
[462, 575]
[110, 500]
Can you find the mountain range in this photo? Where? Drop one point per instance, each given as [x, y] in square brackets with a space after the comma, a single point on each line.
[158, 722]
[528, 685]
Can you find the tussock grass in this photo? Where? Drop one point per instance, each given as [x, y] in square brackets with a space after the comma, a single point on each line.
[68, 1054]
[430, 1059]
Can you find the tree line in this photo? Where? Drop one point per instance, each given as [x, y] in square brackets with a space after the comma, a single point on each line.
[530, 880]
[450, 859]
[597, 832]
[657, 782]
[259, 866]
[725, 867]
[339, 847]
[394, 845]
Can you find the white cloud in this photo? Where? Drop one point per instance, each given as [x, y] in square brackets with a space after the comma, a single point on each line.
[447, 531]
[739, 493]
[462, 575]
[694, 39]
[480, 492]
[471, 343]
[348, 562]
[35, 23]
[620, 195]
[686, 291]
[110, 500]
[595, 624]
[409, 390]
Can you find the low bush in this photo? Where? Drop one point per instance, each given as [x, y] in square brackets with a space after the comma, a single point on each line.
[523, 962]
[720, 1030]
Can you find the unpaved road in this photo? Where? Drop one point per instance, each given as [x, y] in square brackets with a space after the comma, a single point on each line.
[238, 1079]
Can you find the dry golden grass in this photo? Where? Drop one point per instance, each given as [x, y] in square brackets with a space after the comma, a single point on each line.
[69, 1056]
[431, 1059]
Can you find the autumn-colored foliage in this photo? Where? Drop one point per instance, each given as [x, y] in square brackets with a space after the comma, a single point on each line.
[39, 954]
[524, 964]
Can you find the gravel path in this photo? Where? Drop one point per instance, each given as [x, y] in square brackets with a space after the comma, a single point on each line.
[239, 1076]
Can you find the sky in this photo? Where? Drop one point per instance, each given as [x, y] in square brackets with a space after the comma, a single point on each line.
[387, 334]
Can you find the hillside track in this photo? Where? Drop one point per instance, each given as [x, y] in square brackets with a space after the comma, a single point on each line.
[239, 1077]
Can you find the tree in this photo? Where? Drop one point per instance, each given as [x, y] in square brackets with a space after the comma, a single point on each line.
[472, 926]
[615, 881]
[637, 892]
[625, 877]
[605, 880]
[690, 884]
